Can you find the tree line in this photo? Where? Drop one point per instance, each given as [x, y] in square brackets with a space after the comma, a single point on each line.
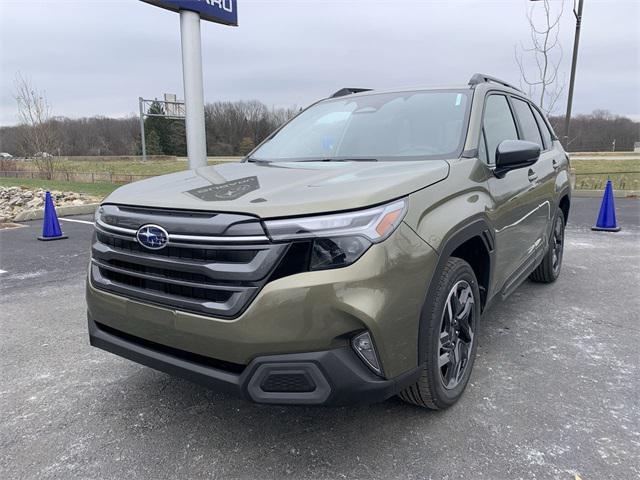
[599, 131]
[232, 128]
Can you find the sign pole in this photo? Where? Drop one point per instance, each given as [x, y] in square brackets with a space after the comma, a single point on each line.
[143, 140]
[191, 12]
[193, 90]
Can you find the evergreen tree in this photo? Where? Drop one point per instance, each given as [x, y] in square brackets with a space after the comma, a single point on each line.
[171, 133]
[153, 143]
[176, 140]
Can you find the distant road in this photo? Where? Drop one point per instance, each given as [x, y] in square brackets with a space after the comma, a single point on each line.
[605, 157]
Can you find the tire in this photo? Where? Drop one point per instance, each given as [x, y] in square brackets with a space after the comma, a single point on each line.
[456, 284]
[549, 269]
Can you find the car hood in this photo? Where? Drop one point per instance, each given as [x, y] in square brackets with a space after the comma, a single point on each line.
[270, 190]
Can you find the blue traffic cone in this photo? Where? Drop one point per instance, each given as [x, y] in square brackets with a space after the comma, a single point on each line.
[50, 225]
[607, 217]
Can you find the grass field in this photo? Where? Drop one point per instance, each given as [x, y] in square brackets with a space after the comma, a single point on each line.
[590, 174]
[117, 167]
[593, 174]
[94, 189]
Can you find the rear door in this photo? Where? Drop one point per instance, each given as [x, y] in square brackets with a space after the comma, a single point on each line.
[543, 169]
[516, 216]
[555, 160]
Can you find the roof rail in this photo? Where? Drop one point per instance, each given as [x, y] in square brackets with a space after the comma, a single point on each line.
[482, 78]
[348, 91]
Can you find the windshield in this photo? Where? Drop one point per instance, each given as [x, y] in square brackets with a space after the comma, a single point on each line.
[418, 125]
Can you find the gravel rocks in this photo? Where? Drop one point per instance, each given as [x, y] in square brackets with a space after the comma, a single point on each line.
[15, 200]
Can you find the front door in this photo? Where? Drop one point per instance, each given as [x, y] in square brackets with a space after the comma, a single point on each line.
[518, 217]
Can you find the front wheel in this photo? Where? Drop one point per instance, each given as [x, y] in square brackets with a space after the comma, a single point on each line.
[549, 269]
[452, 323]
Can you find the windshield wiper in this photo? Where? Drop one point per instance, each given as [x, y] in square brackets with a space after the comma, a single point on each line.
[346, 159]
[339, 160]
[258, 160]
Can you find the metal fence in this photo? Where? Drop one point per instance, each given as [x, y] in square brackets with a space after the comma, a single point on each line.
[627, 180]
[582, 144]
[94, 177]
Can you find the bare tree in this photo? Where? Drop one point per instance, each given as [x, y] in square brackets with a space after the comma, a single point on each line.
[227, 124]
[541, 80]
[282, 115]
[599, 131]
[40, 139]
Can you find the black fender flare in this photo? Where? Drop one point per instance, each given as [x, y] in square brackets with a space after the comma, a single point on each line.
[477, 226]
[565, 192]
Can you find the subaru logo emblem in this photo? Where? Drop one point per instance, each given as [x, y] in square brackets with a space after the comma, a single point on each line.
[152, 237]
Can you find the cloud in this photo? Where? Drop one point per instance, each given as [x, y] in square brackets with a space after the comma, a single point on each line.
[96, 57]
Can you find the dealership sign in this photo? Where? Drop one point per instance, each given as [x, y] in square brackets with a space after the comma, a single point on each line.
[218, 11]
[191, 12]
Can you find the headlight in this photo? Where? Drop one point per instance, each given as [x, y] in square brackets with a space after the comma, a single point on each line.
[336, 252]
[375, 224]
[340, 239]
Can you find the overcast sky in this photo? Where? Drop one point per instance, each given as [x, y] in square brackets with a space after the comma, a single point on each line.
[95, 57]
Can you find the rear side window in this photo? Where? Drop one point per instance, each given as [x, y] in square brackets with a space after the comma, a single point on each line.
[528, 124]
[498, 124]
[546, 134]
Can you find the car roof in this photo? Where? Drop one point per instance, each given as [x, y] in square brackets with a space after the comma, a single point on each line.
[409, 88]
[481, 87]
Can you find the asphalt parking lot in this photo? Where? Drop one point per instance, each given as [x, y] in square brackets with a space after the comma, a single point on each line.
[554, 392]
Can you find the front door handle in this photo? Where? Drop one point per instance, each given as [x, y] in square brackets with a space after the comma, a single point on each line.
[554, 162]
[533, 176]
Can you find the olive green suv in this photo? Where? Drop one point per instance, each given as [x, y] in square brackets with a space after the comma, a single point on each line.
[348, 258]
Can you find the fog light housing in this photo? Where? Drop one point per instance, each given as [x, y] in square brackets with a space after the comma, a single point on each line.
[364, 347]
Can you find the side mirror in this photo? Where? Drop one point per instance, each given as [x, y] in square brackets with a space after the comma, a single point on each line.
[512, 154]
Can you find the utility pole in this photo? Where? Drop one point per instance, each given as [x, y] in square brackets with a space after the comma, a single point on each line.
[576, 41]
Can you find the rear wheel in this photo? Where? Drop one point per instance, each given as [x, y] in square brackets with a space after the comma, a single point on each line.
[549, 269]
[452, 323]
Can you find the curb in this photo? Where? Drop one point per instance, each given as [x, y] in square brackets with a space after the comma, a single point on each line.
[599, 193]
[64, 211]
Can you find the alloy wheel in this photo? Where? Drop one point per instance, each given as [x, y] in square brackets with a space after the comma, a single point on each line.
[456, 334]
[557, 245]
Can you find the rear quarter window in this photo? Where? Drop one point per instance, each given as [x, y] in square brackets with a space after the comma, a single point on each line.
[528, 124]
[544, 129]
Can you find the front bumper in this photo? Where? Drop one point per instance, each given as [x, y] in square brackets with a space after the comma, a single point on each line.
[383, 293]
[330, 377]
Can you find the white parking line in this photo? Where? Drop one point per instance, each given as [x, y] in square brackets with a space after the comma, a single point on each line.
[2, 271]
[75, 221]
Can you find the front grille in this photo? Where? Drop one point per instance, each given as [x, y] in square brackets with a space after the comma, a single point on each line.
[188, 253]
[161, 287]
[216, 274]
